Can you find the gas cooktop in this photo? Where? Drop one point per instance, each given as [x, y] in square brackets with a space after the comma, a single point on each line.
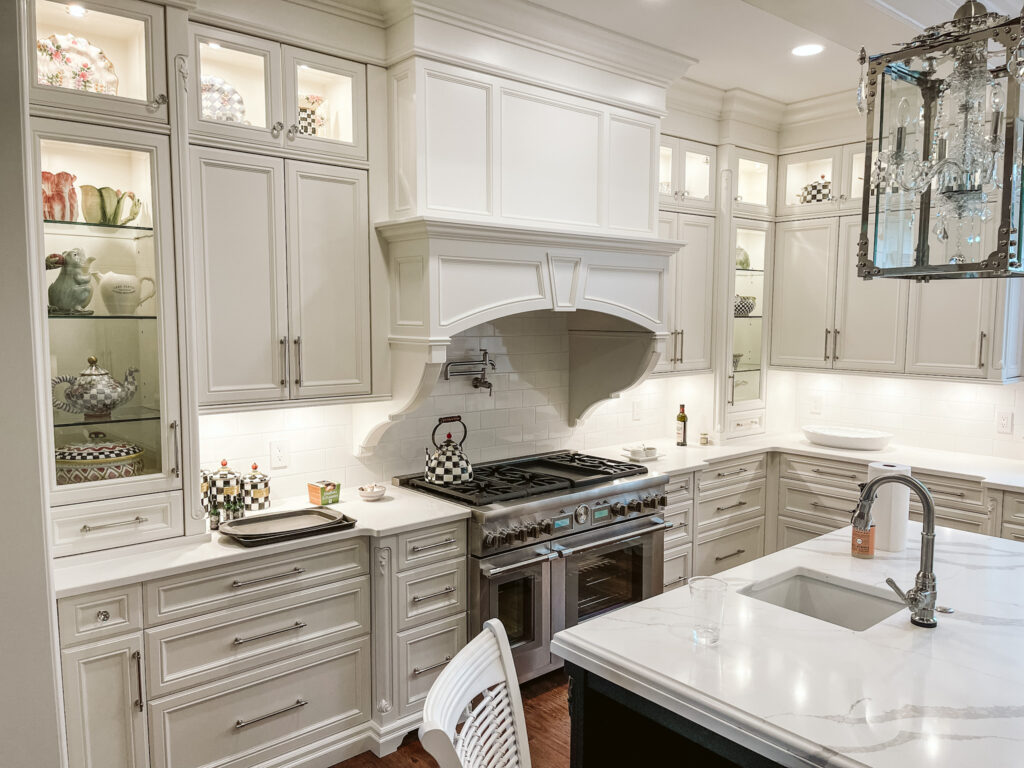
[527, 476]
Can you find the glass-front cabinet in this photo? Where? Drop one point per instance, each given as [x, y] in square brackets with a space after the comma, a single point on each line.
[755, 182]
[810, 181]
[107, 289]
[852, 191]
[105, 57]
[246, 90]
[686, 174]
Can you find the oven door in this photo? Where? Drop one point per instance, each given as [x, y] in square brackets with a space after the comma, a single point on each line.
[515, 587]
[602, 570]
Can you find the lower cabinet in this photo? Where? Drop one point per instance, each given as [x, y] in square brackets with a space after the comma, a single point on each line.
[677, 566]
[103, 704]
[678, 538]
[422, 653]
[722, 548]
[730, 514]
[791, 531]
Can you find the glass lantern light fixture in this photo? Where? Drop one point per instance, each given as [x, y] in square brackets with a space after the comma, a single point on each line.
[942, 161]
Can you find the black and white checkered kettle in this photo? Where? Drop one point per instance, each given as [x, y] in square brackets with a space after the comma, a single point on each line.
[448, 464]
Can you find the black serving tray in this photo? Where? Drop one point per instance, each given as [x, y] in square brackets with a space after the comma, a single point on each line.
[284, 526]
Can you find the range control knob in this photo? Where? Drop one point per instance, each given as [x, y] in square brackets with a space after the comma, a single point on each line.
[582, 513]
[533, 530]
[635, 505]
[505, 536]
[663, 500]
[650, 502]
[545, 527]
[490, 540]
[618, 509]
[519, 532]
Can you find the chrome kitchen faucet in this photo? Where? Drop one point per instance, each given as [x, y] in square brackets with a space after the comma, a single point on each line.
[921, 599]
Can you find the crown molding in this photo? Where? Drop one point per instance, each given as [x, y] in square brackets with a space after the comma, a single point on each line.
[366, 12]
[836, 105]
[695, 98]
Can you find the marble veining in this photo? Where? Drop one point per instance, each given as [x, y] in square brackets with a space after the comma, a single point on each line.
[809, 693]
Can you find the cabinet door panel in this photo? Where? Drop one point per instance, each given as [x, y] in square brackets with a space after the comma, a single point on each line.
[804, 293]
[667, 223]
[329, 280]
[238, 226]
[695, 280]
[871, 315]
[102, 687]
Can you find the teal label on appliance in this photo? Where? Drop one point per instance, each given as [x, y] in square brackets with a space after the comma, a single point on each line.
[562, 522]
[600, 514]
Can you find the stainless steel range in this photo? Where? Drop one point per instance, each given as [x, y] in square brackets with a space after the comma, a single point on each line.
[555, 539]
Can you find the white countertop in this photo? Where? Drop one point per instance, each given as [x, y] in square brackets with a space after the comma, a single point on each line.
[401, 510]
[994, 472]
[809, 693]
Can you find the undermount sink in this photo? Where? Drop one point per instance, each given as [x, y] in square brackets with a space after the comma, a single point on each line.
[827, 598]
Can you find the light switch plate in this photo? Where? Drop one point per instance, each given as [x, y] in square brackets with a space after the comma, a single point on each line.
[1004, 422]
[816, 404]
[279, 454]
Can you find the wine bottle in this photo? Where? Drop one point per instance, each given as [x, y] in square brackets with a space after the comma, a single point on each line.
[681, 426]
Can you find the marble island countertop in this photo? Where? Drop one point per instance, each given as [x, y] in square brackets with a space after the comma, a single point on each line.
[400, 510]
[804, 692]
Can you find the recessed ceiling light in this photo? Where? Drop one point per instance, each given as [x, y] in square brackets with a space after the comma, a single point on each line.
[811, 49]
[77, 11]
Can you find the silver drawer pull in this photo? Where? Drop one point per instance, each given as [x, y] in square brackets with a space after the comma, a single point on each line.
[271, 633]
[422, 547]
[676, 580]
[102, 615]
[739, 503]
[820, 471]
[236, 584]
[421, 670]
[739, 471]
[137, 520]
[446, 591]
[732, 554]
[939, 492]
[246, 723]
[137, 658]
[827, 508]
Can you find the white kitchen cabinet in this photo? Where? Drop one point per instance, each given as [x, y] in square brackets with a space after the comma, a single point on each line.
[949, 327]
[280, 316]
[794, 530]
[801, 176]
[754, 185]
[691, 285]
[127, 34]
[104, 706]
[851, 191]
[246, 90]
[749, 261]
[686, 174]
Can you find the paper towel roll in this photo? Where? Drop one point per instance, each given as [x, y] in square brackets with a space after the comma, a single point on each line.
[891, 509]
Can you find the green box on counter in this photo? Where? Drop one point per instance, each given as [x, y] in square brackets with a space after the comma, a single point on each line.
[324, 492]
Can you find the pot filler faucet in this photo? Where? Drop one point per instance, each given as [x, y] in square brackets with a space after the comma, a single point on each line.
[921, 599]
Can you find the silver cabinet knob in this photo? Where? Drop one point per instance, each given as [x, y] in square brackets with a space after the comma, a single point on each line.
[293, 131]
[102, 615]
[159, 101]
[276, 128]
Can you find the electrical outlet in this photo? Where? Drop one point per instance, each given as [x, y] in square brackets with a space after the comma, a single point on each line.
[816, 404]
[636, 410]
[1004, 422]
[279, 454]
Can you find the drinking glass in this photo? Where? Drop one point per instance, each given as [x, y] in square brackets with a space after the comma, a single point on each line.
[708, 597]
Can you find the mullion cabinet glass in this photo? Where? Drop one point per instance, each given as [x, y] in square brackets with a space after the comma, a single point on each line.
[751, 243]
[107, 292]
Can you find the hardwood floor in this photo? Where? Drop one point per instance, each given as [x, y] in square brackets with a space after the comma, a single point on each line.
[545, 703]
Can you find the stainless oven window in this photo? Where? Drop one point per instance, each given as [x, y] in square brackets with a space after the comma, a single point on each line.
[606, 579]
[516, 609]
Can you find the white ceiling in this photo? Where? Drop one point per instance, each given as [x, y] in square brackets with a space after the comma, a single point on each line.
[746, 44]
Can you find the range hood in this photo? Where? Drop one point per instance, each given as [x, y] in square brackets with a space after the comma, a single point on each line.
[446, 276]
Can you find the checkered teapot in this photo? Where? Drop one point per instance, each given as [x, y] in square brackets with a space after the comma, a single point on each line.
[94, 391]
[448, 464]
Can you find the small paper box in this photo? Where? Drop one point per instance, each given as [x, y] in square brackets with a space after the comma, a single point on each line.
[324, 492]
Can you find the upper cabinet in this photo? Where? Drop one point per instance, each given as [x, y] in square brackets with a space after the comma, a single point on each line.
[105, 58]
[851, 192]
[686, 174]
[750, 256]
[245, 91]
[809, 182]
[754, 175]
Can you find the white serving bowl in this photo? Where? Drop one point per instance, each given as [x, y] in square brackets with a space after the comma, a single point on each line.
[851, 438]
[372, 492]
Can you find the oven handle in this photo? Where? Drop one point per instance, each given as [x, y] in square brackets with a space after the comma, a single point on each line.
[488, 570]
[660, 525]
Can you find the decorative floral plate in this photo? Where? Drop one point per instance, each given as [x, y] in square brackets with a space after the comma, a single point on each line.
[67, 61]
[221, 101]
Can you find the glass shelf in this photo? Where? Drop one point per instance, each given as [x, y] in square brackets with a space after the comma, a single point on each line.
[749, 271]
[746, 369]
[102, 317]
[85, 229]
[120, 415]
[747, 317]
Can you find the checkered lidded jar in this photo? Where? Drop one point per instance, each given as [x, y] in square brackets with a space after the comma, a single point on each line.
[255, 490]
[224, 485]
[448, 464]
[204, 490]
[817, 191]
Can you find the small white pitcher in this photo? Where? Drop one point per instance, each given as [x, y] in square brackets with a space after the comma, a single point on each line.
[122, 294]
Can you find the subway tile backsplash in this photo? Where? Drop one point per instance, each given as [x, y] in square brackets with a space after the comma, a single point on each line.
[527, 412]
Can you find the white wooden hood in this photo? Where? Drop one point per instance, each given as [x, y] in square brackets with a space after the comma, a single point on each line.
[446, 276]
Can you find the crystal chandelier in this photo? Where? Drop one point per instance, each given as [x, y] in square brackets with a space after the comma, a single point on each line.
[943, 152]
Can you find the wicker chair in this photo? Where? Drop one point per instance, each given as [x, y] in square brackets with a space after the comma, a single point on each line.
[482, 679]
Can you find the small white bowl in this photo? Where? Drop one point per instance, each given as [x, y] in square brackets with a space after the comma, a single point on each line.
[372, 492]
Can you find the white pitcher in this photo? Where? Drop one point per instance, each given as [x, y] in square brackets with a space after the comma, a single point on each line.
[122, 294]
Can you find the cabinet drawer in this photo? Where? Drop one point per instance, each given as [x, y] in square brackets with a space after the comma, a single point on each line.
[1013, 507]
[96, 615]
[720, 508]
[252, 718]
[431, 545]
[956, 518]
[200, 592]
[431, 593]
[677, 566]
[842, 474]
[105, 524]
[680, 515]
[679, 487]
[817, 502]
[791, 531]
[952, 492]
[194, 651]
[724, 548]
[422, 654]
[1015, 532]
[726, 473]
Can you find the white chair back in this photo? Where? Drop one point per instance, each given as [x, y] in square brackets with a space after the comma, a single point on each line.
[481, 677]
